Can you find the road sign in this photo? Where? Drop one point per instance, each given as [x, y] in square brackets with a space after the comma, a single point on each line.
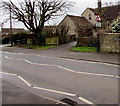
[98, 19]
[98, 24]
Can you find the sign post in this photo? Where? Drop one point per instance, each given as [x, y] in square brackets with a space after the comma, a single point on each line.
[98, 25]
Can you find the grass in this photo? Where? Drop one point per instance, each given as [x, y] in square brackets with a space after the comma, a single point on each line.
[37, 47]
[84, 49]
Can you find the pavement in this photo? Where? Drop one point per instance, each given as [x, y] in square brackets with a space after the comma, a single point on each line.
[63, 51]
[12, 94]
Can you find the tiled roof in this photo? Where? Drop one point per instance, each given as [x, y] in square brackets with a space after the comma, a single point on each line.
[110, 12]
[79, 20]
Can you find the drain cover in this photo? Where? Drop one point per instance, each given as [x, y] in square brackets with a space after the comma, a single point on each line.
[69, 101]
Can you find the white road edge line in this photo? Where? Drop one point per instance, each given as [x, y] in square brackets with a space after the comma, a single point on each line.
[117, 76]
[12, 58]
[32, 87]
[85, 100]
[8, 73]
[70, 70]
[27, 83]
[72, 60]
[81, 61]
[50, 90]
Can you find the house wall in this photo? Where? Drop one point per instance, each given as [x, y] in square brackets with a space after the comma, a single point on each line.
[110, 42]
[86, 15]
[67, 22]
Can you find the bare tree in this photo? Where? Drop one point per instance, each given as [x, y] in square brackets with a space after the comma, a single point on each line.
[34, 13]
[62, 32]
[85, 32]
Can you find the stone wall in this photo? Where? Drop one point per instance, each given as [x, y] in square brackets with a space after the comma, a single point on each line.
[110, 42]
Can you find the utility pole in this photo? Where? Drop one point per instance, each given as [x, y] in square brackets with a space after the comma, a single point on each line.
[11, 25]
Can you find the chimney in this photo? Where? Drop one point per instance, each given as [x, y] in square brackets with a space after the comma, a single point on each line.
[99, 6]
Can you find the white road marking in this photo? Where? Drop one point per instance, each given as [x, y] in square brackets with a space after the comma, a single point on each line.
[26, 82]
[70, 70]
[117, 76]
[105, 75]
[12, 58]
[66, 69]
[40, 95]
[81, 61]
[85, 100]
[8, 73]
[50, 90]
[73, 60]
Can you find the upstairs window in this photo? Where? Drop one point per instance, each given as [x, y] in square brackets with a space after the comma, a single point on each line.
[90, 17]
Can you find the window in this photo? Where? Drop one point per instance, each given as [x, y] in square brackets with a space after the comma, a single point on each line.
[90, 17]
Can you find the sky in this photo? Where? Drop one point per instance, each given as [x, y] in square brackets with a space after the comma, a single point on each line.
[79, 7]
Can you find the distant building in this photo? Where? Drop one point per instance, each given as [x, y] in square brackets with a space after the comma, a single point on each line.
[6, 31]
[72, 23]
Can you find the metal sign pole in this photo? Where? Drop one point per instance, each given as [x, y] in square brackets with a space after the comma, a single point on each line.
[98, 25]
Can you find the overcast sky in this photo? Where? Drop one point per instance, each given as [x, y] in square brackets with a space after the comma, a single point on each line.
[79, 7]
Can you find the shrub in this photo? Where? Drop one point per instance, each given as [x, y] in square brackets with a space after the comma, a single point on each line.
[115, 26]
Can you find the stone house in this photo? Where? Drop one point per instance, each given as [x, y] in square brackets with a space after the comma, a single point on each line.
[72, 23]
[108, 13]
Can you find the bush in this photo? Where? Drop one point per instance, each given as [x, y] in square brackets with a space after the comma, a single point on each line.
[92, 42]
[19, 37]
[5, 40]
[115, 26]
[87, 41]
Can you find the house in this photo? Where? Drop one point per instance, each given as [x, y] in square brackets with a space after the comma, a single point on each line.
[108, 13]
[6, 31]
[72, 23]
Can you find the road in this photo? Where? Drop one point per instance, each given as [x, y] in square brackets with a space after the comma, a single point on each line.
[84, 82]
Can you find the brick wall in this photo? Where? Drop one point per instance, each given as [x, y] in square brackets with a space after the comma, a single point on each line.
[110, 42]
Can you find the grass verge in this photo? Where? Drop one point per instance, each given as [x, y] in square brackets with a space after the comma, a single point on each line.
[84, 49]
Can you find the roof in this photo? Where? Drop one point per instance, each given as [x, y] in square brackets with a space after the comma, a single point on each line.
[49, 28]
[93, 10]
[110, 12]
[14, 30]
[79, 20]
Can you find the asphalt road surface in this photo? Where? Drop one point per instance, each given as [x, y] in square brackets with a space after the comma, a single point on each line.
[84, 82]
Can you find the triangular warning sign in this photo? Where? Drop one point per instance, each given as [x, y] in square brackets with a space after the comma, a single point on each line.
[98, 18]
